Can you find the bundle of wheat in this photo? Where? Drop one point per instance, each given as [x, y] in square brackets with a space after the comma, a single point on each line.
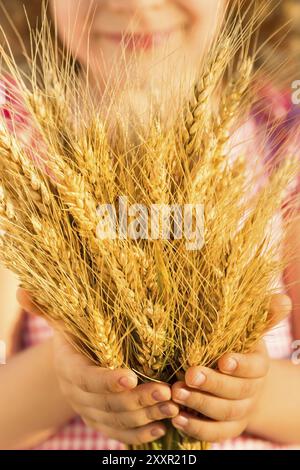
[150, 303]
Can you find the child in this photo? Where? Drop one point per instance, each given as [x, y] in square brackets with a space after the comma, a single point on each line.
[54, 398]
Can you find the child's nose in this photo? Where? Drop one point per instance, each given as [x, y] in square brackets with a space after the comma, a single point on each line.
[133, 5]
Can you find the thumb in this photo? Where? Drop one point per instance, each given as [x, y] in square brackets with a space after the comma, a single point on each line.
[280, 307]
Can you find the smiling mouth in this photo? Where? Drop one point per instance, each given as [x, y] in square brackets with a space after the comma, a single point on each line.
[139, 41]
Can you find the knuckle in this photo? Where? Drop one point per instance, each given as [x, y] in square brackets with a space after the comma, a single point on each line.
[80, 380]
[229, 412]
[202, 402]
[95, 415]
[136, 420]
[152, 414]
[105, 382]
[246, 388]
[141, 400]
[214, 381]
[234, 411]
[119, 421]
[155, 412]
[107, 405]
[246, 407]
[217, 383]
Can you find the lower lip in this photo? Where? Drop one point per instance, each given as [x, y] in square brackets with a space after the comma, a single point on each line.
[138, 41]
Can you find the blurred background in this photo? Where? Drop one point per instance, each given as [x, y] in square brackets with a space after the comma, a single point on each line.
[287, 11]
[291, 9]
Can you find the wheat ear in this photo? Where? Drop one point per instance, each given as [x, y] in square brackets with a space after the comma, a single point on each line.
[198, 110]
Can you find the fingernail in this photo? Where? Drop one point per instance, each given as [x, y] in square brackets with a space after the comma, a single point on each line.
[158, 396]
[157, 432]
[166, 410]
[127, 381]
[182, 394]
[199, 379]
[230, 364]
[180, 421]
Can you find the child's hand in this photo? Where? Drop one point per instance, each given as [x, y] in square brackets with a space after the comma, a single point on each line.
[225, 398]
[109, 401]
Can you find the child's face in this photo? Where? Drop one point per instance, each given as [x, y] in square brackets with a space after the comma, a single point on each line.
[164, 37]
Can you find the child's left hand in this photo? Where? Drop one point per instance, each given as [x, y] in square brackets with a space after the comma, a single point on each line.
[226, 397]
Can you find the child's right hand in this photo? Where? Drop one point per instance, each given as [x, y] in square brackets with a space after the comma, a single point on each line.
[109, 401]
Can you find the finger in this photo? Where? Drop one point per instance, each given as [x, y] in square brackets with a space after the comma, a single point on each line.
[214, 382]
[280, 307]
[99, 380]
[26, 302]
[142, 435]
[132, 419]
[142, 396]
[252, 365]
[209, 431]
[211, 406]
